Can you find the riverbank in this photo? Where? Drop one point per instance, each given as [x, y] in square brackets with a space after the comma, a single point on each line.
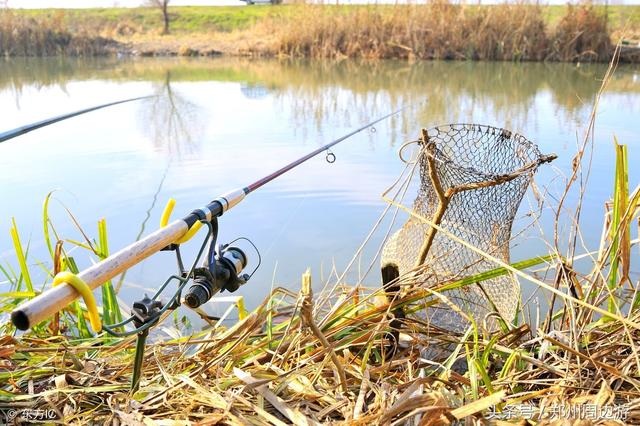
[333, 359]
[558, 359]
[434, 31]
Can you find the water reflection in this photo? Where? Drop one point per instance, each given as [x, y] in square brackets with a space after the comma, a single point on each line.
[172, 122]
[452, 90]
[254, 91]
[222, 123]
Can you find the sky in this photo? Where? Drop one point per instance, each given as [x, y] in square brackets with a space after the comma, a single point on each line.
[36, 4]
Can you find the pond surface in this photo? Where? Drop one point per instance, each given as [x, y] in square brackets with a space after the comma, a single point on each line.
[220, 124]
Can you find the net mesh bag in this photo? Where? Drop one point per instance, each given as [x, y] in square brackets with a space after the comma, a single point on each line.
[472, 179]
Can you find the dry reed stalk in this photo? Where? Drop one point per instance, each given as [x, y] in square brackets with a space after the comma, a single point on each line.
[306, 313]
[442, 30]
[26, 36]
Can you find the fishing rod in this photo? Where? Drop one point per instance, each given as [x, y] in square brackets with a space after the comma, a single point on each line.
[10, 134]
[222, 269]
[223, 265]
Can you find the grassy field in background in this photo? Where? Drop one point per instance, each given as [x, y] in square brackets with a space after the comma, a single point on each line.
[184, 19]
[438, 30]
[203, 19]
[619, 16]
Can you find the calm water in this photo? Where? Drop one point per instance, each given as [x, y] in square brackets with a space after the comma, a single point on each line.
[221, 124]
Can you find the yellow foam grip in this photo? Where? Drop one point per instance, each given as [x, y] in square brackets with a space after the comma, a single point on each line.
[164, 220]
[85, 291]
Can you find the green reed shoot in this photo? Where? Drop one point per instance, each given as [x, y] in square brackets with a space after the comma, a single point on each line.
[22, 258]
[110, 309]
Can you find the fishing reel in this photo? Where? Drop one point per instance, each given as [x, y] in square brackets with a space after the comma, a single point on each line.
[222, 271]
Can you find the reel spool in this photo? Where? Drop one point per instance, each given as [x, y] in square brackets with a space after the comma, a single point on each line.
[223, 271]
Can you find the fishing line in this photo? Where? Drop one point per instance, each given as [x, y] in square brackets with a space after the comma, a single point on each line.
[286, 223]
[358, 254]
[324, 297]
[322, 300]
[146, 219]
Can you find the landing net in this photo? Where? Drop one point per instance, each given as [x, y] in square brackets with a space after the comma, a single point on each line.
[471, 181]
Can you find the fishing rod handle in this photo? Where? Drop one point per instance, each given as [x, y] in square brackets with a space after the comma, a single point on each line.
[57, 298]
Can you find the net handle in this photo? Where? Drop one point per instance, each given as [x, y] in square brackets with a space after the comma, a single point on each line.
[444, 197]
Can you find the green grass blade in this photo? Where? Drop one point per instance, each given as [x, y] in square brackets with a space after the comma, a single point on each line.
[508, 364]
[494, 273]
[70, 264]
[80, 244]
[482, 370]
[488, 349]
[620, 197]
[473, 377]
[82, 326]
[22, 260]
[45, 223]
[110, 309]
[11, 277]
[18, 294]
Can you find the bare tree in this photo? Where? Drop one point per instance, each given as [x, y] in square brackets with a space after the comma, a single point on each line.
[172, 122]
[163, 5]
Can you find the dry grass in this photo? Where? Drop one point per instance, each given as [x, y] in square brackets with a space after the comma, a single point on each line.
[441, 30]
[25, 36]
[581, 35]
[273, 374]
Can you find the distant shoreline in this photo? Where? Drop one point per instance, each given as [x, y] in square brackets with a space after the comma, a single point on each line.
[436, 31]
